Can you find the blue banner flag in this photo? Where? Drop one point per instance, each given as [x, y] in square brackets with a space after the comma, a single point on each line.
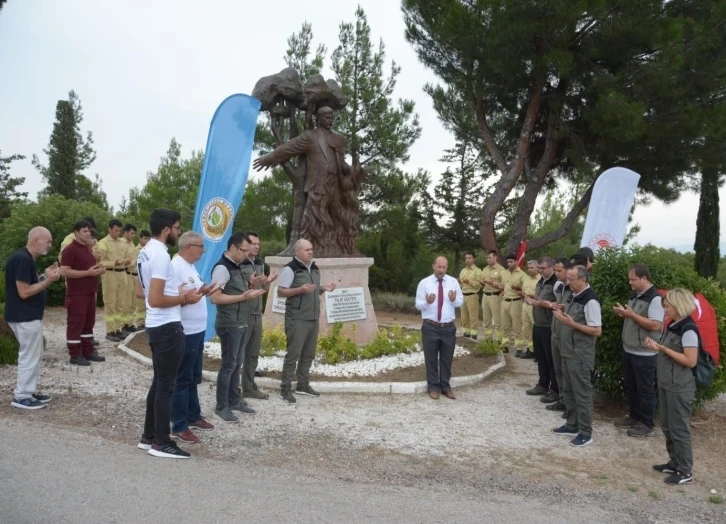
[223, 181]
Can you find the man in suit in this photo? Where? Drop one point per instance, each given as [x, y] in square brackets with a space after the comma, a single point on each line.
[327, 221]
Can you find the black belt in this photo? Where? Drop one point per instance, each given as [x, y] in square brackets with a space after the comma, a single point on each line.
[468, 294]
[438, 324]
[119, 270]
[511, 299]
[491, 294]
[132, 274]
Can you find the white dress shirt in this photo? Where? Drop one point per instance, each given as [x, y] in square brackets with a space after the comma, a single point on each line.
[430, 285]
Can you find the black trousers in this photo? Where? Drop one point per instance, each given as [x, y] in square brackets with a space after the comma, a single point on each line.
[167, 350]
[639, 372]
[438, 350]
[542, 339]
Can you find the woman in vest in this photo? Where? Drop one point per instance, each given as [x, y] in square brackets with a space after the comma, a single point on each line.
[678, 354]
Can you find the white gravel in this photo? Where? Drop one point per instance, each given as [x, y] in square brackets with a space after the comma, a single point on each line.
[356, 368]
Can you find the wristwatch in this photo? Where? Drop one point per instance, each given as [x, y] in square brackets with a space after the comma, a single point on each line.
[41, 278]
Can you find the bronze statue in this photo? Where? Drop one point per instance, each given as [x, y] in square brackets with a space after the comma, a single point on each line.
[324, 185]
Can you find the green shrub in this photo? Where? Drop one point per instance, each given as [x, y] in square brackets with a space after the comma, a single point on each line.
[394, 302]
[273, 340]
[2, 288]
[336, 347]
[8, 343]
[391, 342]
[610, 282]
[487, 347]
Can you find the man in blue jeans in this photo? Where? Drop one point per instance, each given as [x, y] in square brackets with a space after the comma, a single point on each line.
[186, 413]
[232, 301]
[165, 295]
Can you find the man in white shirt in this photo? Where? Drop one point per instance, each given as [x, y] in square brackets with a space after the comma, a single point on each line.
[437, 296]
[186, 413]
[164, 295]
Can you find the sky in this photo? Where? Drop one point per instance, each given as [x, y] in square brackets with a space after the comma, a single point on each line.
[149, 71]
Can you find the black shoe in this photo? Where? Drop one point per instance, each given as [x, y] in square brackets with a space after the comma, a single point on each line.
[564, 430]
[550, 397]
[112, 337]
[79, 361]
[96, 343]
[96, 358]
[42, 398]
[306, 390]
[518, 353]
[287, 396]
[170, 450]
[27, 403]
[145, 443]
[528, 355]
[664, 468]
[473, 337]
[557, 406]
[678, 478]
[537, 391]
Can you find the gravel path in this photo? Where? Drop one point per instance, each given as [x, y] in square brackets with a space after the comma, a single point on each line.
[492, 439]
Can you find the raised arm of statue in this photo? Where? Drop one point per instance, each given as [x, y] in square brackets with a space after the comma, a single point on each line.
[299, 145]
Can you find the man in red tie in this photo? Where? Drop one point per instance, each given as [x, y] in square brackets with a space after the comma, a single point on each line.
[436, 297]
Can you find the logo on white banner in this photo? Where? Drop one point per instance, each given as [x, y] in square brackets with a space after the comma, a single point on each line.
[217, 216]
[602, 240]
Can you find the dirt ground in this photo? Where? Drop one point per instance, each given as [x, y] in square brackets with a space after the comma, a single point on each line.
[492, 439]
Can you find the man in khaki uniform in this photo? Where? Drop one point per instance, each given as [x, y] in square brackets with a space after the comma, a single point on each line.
[529, 286]
[115, 260]
[511, 285]
[469, 279]
[132, 273]
[491, 302]
[139, 314]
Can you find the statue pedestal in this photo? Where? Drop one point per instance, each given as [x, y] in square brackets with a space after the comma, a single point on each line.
[350, 300]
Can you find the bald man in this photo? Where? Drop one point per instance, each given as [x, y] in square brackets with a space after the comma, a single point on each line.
[299, 285]
[437, 296]
[24, 307]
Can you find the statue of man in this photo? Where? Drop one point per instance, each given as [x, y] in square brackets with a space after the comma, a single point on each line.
[330, 186]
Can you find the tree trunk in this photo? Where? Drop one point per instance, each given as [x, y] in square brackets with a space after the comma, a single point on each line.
[708, 226]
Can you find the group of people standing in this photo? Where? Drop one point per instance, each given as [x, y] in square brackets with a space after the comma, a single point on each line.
[564, 317]
[565, 320]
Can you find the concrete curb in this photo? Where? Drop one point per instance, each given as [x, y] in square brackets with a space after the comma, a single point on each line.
[389, 388]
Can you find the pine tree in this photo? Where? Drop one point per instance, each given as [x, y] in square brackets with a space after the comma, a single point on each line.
[9, 193]
[708, 226]
[69, 154]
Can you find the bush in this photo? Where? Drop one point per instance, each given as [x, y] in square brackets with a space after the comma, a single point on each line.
[336, 347]
[8, 343]
[273, 340]
[610, 282]
[391, 342]
[487, 348]
[56, 213]
[394, 302]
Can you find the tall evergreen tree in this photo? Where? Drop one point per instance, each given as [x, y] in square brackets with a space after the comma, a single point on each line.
[69, 154]
[708, 226]
[9, 184]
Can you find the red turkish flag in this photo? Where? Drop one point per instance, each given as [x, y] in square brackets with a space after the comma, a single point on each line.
[521, 253]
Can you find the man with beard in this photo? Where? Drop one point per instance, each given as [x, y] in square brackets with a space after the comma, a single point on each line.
[165, 295]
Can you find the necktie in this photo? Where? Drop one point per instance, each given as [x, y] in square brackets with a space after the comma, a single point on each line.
[441, 296]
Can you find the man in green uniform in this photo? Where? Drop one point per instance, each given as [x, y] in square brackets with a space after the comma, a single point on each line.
[469, 279]
[253, 270]
[491, 302]
[300, 285]
[581, 324]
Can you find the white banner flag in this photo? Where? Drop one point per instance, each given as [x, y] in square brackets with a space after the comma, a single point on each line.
[607, 215]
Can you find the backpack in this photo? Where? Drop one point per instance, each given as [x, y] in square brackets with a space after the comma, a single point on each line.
[704, 316]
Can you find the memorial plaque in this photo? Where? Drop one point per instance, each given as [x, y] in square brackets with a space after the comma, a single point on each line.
[345, 305]
[278, 303]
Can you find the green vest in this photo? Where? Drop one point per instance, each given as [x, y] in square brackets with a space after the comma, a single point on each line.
[671, 375]
[562, 296]
[306, 306]
[544, 291]
[575, 344]
[633, 335]
[237, 314]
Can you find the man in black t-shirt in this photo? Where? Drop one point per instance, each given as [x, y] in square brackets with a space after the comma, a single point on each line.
[24, 306]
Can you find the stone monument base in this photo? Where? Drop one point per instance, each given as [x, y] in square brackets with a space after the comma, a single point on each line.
[350, 300]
